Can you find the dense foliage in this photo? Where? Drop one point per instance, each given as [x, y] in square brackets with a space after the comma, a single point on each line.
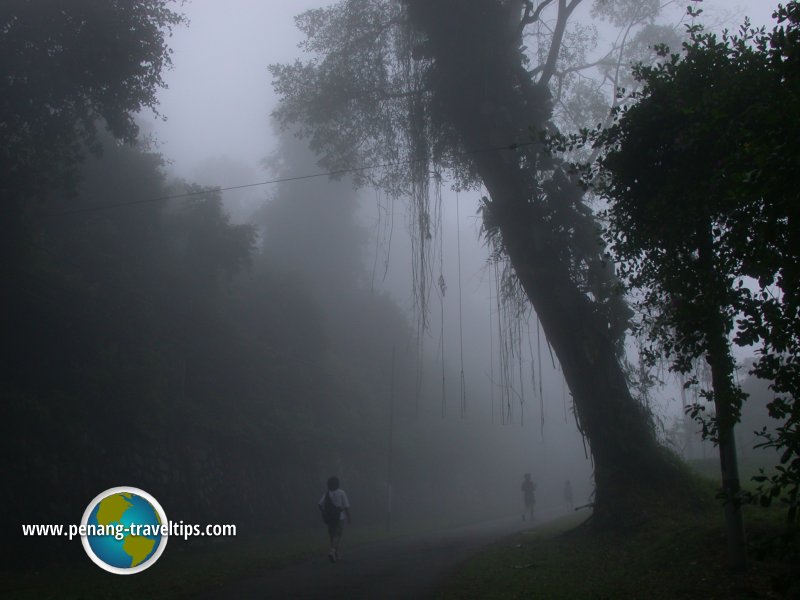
[66, 66]
[703, 219]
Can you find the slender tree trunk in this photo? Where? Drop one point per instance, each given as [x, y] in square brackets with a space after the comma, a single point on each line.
[490, 101]
[734, 523]
[720, 361]
[726, 405]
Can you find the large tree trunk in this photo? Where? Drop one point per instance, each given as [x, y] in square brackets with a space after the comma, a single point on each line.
[484, 93]
[620, 430]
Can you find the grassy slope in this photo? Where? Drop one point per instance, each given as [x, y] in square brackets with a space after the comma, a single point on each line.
[673, 555]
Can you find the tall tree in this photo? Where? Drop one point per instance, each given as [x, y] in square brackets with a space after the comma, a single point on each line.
[448, 85]
[770, 242]
[668, 222]
[701, 206]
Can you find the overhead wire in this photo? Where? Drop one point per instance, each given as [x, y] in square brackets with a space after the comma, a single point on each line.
[333, 173]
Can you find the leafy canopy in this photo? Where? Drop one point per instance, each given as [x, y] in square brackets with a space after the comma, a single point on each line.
[699, 176]
[68, 65]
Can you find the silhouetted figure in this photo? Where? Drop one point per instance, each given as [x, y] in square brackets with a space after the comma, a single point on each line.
[568, 495]
[527, 495]
[335, 507]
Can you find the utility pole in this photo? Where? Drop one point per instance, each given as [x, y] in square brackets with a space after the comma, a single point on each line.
[391, 443]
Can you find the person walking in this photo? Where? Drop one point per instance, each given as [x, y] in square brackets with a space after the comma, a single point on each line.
[527, 495]
[335, 508]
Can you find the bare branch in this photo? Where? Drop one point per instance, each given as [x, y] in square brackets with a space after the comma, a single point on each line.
[532, 17]
[564, 12]
[605, 61]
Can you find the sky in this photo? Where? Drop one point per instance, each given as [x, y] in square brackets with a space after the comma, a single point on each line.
[219, 94]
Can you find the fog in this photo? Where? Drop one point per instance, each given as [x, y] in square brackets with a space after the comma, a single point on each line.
[219, 79]
[211, 312]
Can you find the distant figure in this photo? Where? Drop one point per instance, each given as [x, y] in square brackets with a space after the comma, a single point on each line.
[568, 495]
[335, 507]
[527, 495]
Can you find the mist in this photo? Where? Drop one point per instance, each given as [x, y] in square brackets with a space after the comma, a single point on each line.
[233, 273]
[380, 265]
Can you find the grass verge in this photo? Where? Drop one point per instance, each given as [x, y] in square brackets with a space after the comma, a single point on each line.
[672, 555]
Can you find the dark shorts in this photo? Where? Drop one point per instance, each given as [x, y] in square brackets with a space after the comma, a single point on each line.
[335, 530]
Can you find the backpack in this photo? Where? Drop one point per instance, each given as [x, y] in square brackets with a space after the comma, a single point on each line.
[330, 512]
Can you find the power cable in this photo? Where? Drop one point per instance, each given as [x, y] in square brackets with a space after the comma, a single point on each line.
[99, 207]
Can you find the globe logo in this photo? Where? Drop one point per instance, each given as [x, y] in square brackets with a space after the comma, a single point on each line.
[124, 530]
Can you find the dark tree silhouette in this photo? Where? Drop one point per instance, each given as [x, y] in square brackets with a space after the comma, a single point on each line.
[68, 70]
[702, 207]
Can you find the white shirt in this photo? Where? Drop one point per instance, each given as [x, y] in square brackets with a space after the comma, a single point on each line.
[339, 499]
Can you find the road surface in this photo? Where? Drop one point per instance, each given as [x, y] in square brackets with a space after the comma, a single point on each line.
[401, 568]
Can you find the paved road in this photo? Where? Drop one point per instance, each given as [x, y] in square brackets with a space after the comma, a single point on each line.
[407, 567]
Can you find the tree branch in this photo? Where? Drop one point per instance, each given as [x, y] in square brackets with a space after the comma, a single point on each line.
[599, 62]
[564, 11]
[532, 17]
